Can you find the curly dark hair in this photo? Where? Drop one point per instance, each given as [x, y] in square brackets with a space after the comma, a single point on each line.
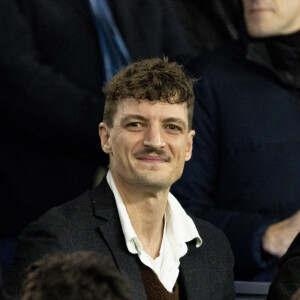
[82, 275]
[153, 79]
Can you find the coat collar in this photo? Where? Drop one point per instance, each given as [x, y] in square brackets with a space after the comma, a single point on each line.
[110, 228]
[258, 53]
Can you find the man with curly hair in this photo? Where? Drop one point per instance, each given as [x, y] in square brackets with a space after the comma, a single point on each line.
[131, 216]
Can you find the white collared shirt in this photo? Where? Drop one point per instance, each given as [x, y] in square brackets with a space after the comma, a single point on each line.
[179, 229]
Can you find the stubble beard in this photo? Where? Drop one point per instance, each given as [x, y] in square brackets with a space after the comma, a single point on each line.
[151, 182]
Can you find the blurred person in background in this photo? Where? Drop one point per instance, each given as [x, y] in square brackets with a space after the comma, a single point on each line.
[245, 169]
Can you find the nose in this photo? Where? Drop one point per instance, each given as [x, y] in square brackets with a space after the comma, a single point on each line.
[154, 137]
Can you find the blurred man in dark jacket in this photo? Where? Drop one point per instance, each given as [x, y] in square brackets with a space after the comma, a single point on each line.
[245, 170]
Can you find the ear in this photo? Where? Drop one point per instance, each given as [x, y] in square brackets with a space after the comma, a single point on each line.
[104, 133]
[189, 146]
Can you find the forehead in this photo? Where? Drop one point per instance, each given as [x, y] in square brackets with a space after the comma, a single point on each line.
[151, 109]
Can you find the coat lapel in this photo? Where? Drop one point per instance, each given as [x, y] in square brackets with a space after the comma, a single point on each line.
[110, 227]
[193, 274]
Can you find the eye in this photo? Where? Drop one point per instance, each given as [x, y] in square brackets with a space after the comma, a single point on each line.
[134, 126]
[173, 128]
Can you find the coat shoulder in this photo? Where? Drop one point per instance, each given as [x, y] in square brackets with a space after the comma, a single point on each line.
[213, 238]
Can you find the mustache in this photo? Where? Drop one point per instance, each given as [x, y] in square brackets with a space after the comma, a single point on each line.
[150, 150]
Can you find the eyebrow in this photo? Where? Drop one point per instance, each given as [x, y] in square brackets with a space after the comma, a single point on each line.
[167, 120]
[129, 117]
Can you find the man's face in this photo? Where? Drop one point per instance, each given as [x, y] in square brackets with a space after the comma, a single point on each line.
[148, 143]
[271, 17]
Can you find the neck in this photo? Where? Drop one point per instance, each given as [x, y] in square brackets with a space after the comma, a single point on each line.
[146, 209]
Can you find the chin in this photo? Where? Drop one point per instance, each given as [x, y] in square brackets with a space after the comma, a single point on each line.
[259, 34]
[153, 181]
[261, 31]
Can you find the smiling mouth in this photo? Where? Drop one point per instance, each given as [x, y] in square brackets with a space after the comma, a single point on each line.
[152, 159]
[152, 155]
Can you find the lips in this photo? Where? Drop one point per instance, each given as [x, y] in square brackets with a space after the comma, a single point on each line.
[152, 155]
[151, 158]
[258, 10]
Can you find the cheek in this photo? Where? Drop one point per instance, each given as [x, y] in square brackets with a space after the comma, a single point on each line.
[124, 147]
[179, 150]
[292, 13]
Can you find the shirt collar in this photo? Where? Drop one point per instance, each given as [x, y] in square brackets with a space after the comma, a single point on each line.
[180, 227]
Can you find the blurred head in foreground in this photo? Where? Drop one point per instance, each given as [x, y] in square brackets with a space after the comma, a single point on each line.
[84, 275]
